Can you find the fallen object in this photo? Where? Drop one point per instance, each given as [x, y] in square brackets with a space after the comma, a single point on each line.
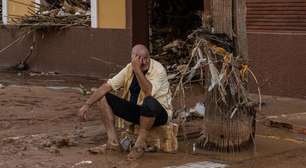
[82, 163]
[199, 109]
[291, 122]
[2, 86]
[102, 149]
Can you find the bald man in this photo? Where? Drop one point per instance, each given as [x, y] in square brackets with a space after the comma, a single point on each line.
[146, 100]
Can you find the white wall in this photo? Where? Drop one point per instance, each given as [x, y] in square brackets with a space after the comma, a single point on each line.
[4, 11]
[94, 13]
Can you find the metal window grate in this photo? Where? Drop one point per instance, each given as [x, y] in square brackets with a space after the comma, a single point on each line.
[276, 16]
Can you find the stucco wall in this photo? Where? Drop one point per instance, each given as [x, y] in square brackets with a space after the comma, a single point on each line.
[77, 51]
[279, 60]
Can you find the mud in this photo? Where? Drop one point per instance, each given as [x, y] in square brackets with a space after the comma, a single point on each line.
[39, 128]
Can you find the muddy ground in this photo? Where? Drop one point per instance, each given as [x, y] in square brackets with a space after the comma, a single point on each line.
[39, 128]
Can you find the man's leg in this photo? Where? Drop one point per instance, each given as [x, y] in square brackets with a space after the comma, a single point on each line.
[146, 123]
[151, 114]
[112, 105]
[108, 121]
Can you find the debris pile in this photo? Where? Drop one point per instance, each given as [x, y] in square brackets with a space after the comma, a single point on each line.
[57, 13]
[170, 22]
[211, 62]
[176, 56]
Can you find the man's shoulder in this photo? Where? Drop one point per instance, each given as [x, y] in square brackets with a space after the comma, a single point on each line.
[128, 65]
[157, 65]
[127, 68]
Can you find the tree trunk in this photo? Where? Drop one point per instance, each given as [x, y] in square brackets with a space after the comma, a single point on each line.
[218, 16]
[239, 29]
[224, 131]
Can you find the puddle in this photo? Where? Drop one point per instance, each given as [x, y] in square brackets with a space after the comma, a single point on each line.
[235, 156]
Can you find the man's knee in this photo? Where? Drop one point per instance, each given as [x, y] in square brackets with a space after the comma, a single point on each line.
[150, 105]
[149, 101]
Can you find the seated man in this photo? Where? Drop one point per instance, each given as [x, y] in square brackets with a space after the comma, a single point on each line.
[146, 99]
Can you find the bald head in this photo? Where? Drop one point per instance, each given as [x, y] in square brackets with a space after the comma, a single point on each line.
[143, 53]
[140, 50]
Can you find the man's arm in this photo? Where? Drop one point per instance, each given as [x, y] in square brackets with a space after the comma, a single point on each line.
[100, 93]
[113, 84]
[144, 83]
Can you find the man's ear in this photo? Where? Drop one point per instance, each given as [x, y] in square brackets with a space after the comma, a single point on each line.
[132, 56]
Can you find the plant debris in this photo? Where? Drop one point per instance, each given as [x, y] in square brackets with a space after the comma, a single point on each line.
[210, 61]
[64, 14]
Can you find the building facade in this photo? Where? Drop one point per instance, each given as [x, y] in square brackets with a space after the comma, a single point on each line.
[276, 39]
[94, 51]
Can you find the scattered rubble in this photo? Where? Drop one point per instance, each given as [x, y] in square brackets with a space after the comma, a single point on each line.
[53, 142]
[2, 86]
[48, 142]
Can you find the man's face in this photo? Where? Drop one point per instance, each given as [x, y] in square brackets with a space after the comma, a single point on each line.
[143, 58]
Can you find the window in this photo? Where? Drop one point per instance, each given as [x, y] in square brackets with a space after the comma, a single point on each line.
[276, 16]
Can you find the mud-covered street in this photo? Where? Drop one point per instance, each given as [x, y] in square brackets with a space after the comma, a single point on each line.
[39, 128]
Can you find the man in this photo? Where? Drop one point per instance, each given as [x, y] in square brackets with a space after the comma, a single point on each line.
[146, 99]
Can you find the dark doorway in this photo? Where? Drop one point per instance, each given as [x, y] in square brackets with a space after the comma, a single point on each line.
[170, 20]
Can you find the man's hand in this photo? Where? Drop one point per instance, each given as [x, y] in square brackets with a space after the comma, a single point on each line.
[83, 112]
[98, 94]
[136, 63]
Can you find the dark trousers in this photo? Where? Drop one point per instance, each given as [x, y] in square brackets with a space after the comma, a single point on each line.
[132, 112]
